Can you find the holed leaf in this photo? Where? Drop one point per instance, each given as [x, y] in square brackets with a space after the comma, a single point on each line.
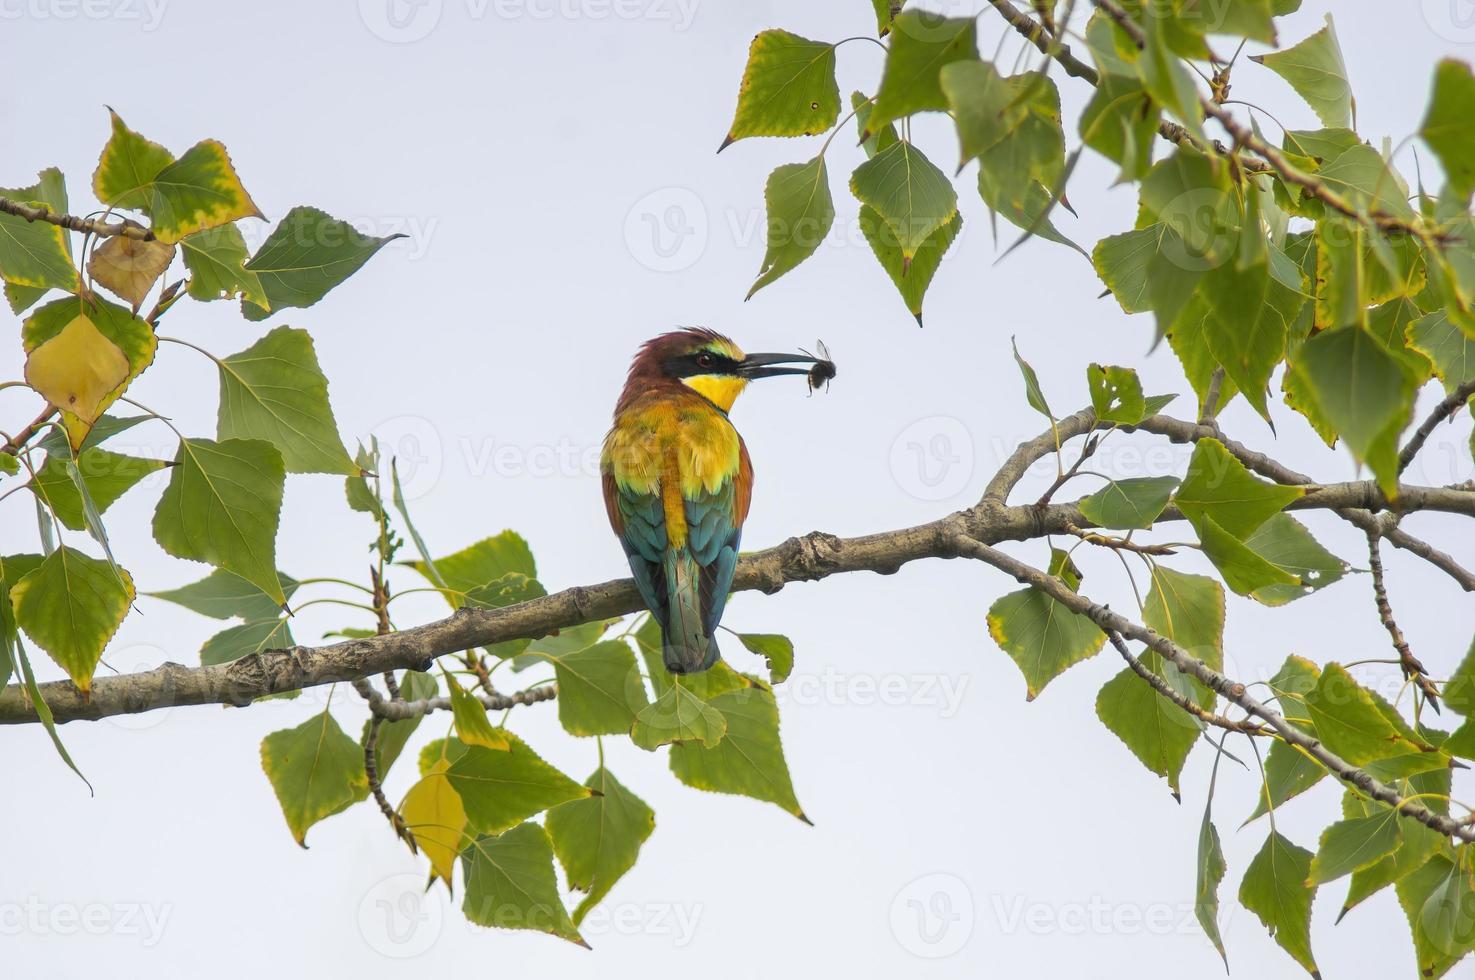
[788, 88]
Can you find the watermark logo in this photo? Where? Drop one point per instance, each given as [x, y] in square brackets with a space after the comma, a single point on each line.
[400, 21]
[666, 230]
[1452, 20]
[932, 459]
[399, 918]
[416, 447]
[148, 14]
[932, 916]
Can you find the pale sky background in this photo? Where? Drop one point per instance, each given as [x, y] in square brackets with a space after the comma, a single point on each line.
[532, 149]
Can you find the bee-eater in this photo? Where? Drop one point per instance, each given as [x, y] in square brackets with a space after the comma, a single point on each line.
[677, 481]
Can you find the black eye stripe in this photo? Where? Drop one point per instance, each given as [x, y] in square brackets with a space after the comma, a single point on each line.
[700, 362]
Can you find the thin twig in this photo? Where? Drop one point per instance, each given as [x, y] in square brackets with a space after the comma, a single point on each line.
[1236, 692]
[1412, 668]
[88, 226]
[1451, 404]
[1161, 686]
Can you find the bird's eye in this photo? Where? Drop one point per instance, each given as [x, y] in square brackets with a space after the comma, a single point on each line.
[705, 360]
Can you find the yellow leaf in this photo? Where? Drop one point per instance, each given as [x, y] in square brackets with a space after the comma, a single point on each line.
[433, 811]
[77, 369]
[130, 267]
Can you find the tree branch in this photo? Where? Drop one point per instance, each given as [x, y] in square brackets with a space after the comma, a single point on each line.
[1451, 404]
[1273, 158]
[1054, 48]
[1111, 622]
[90, 226]
[814, 556]
[1161, 686]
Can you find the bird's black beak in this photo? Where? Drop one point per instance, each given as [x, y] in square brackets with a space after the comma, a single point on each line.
[768, 365]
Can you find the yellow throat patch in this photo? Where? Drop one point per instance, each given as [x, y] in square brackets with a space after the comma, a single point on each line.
[720, 389]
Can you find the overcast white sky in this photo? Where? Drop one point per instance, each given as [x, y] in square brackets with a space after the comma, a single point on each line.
[552, 164]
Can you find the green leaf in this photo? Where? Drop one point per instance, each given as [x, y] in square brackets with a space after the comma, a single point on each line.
[1120, 122]
[1211, 867]
[1289, 772]
[597, 840]
[126, 170]
[788, 88]
[71, 604]
[1250, 314]
[486, 561]
[1189, 610]
[677, 715]
[223, 595]
[394, 735]
[1116, 394]
[1158, 732]
[749, 760]
[1285, 543]
[1340, 274]
[1314, 68]
[1446, 127]
[1218, 486]
[910, 194]
[877, 141]
[777, 651]
[800, 215]
[200, 190]
[1164, 76]
[886, 11]
[103, 429]
[1275, 889]
[316, 771]
[222, 505]
[469, 716]
[1448, 348]
[107, 476]
[1349, 723]
[1033, 393]
[1429, 890]
[1447, 920]
[307, 254]
[921, 44]
[1365, 393]
[1127, 504]
[985, 107]
[911, 278]
[252, 636]
[275, 391]
[216, 260]
[1352, 845]
[1122, 261]
[37, 253]
[1019, 176]
[1042, 636]
[1418, 843]
[510, 884]
[599, 689]
[502, 788]
[1243, 570]
[1459, 692]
